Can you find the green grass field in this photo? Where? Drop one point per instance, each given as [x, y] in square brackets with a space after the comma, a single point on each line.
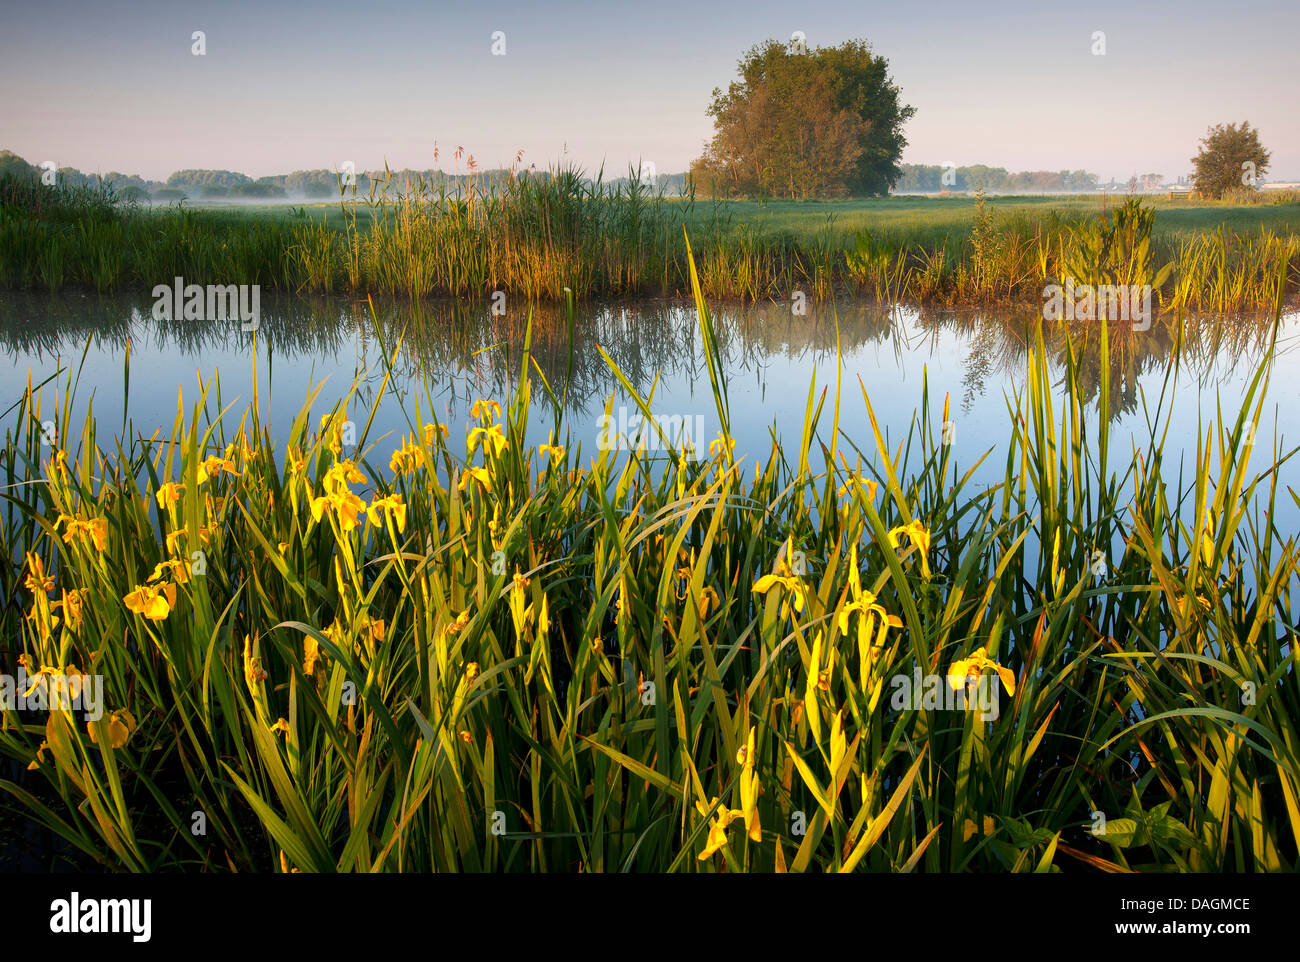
[918, 219]
[927, 220]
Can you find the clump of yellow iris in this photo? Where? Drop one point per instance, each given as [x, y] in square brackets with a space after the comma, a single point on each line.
[338, 498]
[406, 459]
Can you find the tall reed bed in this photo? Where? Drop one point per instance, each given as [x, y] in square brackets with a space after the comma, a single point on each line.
[358, 653]
[533, 236]
[1012, 260]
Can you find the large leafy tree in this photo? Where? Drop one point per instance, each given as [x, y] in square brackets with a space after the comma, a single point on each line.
[821, 123]
[1230, 156]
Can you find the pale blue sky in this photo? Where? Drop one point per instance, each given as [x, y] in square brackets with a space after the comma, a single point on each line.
[113, 85]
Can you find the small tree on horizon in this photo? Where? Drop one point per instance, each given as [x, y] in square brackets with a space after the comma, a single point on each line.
[1230, 157]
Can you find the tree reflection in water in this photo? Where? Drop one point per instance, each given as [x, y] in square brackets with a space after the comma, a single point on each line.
[448, 346]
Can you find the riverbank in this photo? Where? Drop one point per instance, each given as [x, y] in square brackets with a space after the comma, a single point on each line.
[539, 239]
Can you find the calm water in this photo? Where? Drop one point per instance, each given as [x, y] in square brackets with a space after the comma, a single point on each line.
[452, 354]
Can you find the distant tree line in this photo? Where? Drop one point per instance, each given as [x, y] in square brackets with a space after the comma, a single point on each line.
[325, 184]
[203, 179]
[799, 123]
[930, 179]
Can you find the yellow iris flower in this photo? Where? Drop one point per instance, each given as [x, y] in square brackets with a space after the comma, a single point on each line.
[521, 582]
[168, 494]
[214, 465]
[372, 629]
[393, 505]
[406, 459]
[37, 581]
[793, 586]
[155, 602]
[722, 818]
[493, 439]
[121, 725]
[96, 529]
[253, 670]
[749, 792]
[179, 571]
[864, 604]
[38, 680]
[58, 463]
[35, 764]
[481, 410]
[331, 431]
[456, 625]
[708, 600]
[340, 475]
[919, 536]
[685, 565]
[794, 592]
[974, 666]
[72, 608]
[854, 482]
[480, 475]
[344, 505]
[310, 655]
